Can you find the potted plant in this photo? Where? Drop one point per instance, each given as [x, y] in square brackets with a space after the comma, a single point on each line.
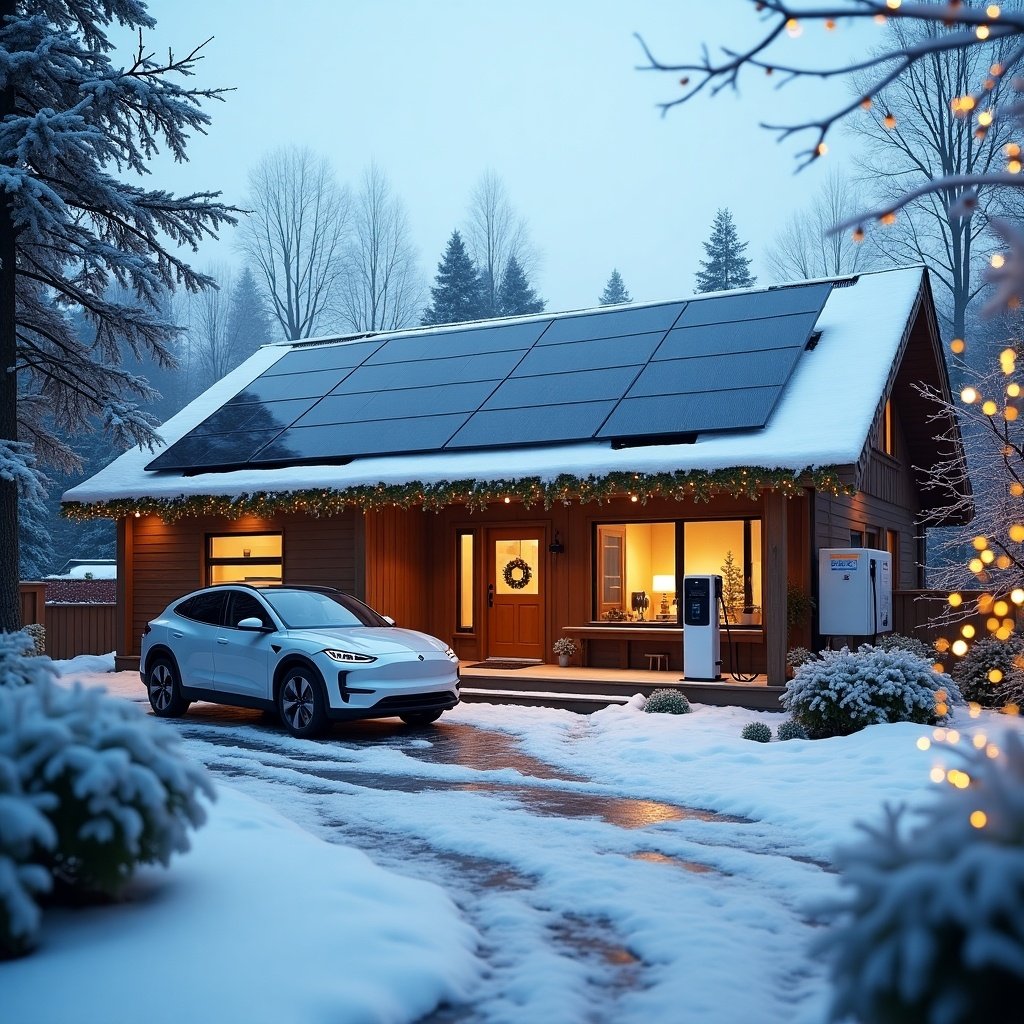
[565, 647]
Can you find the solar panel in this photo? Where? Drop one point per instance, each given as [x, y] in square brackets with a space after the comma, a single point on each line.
[622, 374]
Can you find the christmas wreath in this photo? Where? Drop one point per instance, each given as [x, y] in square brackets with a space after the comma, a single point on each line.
[517, 565]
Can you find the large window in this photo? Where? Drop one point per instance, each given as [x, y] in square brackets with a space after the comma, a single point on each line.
[464, 540]
[244, 558]
[640, 566]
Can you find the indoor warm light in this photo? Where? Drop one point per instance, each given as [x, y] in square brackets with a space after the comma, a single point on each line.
[664, 583]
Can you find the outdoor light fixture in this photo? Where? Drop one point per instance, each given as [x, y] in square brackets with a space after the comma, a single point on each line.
[556, 547]
[664, 583]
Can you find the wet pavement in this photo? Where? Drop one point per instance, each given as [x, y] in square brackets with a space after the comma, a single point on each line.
[250, 750]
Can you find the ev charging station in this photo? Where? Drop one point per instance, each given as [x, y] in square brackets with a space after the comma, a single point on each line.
[702, 645]
[854, 591]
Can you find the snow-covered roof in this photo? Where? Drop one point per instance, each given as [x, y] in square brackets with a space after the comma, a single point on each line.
[822, 419]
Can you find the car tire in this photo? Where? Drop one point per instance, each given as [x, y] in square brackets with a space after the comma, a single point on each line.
[164, 688]
[420, 718]
[300, 702]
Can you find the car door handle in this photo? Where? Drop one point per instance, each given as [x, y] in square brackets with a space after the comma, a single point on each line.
[177, 636]
[222, 640]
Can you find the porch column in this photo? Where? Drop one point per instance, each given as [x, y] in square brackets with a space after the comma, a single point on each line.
[125, 655]
[774, 586]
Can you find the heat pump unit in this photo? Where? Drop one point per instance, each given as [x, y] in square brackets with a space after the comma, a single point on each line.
[854, 591]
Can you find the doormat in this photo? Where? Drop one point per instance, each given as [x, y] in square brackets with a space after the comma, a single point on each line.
[505, 666]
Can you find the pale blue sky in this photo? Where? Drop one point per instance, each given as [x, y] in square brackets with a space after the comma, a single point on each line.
[545, 94]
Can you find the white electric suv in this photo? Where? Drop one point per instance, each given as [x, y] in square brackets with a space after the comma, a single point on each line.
[310, 654]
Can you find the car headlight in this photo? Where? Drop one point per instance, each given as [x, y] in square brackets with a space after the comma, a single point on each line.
[348, 656]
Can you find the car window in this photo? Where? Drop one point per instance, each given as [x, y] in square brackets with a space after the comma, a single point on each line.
[247, 606]
[208, 608]
[311, 609]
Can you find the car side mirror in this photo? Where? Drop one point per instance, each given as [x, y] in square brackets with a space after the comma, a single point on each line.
[251, 623]
[387, 618]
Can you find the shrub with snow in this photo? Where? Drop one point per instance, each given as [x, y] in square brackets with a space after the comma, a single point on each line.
[790, 730]
[759, 732]
[843, 691]
[899, 642]
[990, 655]
[933, 929]
[37, 632]
[89, 789]
[797, 656]
[667, 702]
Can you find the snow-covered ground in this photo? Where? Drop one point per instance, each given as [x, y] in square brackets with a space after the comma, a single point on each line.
[608, 900]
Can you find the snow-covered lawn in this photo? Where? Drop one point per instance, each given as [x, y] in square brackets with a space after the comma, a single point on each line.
[265, 921]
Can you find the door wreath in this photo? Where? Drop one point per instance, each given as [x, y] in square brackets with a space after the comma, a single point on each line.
[517, 573]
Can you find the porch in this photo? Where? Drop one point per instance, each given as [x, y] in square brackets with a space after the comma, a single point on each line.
[585, 690]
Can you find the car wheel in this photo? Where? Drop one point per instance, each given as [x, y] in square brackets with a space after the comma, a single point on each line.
[164, 689]
[420, 717]
[300, 702]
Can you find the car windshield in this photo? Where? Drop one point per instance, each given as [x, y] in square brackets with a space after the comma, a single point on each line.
[311, 609]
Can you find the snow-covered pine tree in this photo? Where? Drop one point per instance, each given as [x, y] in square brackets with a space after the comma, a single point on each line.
[71, 121]
[725, 267]
[455, 297]
[516, 296]
[614, 291]
[248, 317]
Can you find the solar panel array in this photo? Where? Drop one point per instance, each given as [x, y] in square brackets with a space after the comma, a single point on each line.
[622, 375]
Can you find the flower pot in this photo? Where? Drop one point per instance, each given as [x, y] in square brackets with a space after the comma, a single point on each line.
[563, 660]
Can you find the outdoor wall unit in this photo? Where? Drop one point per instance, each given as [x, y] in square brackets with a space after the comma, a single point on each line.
[702, 644]
[854, 591]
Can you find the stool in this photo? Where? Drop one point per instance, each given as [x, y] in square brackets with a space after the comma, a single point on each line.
[657, 661]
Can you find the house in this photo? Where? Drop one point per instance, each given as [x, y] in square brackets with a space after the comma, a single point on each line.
[502, 483]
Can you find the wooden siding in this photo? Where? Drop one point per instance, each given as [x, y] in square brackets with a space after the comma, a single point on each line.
[399, 564]
[32, 599]
[73, 629]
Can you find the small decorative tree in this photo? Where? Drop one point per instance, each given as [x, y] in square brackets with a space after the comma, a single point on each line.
[732, 587]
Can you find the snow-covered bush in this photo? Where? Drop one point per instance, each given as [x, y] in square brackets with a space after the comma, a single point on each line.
[37, 633]
[89, 789]
[667, 702]
[933, 929]
[797, 656]
[759, 732]
[790, 730]
[842, 691]
[899, 642]
[987, 656]
[18, 666]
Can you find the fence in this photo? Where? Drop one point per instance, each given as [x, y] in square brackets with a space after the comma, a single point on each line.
[71, 629]
[914, 610]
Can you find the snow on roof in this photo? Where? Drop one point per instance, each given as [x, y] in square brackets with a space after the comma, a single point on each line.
[822, 419]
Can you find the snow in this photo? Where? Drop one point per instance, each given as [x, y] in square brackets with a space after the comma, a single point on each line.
[822, 419]
[88, 570]
[374, 946]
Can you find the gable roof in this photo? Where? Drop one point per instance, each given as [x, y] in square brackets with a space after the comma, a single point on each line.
[825, 397]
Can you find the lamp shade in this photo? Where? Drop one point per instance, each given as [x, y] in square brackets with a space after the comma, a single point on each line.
[665, 582]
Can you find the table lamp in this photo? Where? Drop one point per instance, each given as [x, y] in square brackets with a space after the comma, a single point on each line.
[664, 583]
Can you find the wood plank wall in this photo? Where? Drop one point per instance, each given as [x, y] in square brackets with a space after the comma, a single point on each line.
[73, 629]
[32, 597]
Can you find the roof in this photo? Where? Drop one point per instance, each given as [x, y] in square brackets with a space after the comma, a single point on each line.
[827, 376]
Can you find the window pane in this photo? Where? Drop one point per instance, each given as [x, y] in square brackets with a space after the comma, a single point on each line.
[629, 557]
[246, 545]
[464, 555]
[718, 548]
[507, 556]
[245, 558]
[245, 572]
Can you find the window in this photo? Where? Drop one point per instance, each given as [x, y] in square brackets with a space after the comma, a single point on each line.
[244, 558]
[856, 538]
[892, 545]
[246, 606]
[639, 566]
[888, 430]
[464, 542]
[208, 608]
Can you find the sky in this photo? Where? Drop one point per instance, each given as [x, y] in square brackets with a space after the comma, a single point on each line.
[678, 898]
[545, 95]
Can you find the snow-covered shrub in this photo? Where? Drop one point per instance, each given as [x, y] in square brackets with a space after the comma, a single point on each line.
[790, 730]
[667, 702]
[759, 732]
[933, 929]
[899, 642]
[797, 656]
[18, 665]
[989, 655]
[843, 691]
[37, 632]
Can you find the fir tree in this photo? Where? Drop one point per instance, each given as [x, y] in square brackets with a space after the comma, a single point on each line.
[614, 291]
[725, 267]
[516, 296]
[248, 324]
[456, 295]
[72, 124]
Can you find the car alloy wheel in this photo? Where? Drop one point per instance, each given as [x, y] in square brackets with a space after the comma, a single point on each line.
[164, 693]
[300, 703]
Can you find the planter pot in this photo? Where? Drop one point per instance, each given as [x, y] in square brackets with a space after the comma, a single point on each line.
[563, 660]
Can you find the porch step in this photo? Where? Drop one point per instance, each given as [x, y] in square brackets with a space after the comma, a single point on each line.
[581, 703]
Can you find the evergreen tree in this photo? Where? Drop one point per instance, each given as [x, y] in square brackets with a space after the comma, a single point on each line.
[516, 296]
[725, 267]
[614, 291]
[456, 295]
[248, 324]
[73, 125]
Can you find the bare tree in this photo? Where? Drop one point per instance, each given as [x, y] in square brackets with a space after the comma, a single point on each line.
[807, 247]
[494, 234]
[296, 236]
[209, 338]
[382, 290]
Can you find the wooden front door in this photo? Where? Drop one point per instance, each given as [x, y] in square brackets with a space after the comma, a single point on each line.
[515, 592]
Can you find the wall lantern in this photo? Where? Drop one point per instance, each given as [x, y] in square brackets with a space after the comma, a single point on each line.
[556, 547]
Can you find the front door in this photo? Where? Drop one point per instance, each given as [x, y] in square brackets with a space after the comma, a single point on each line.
[515, 593]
